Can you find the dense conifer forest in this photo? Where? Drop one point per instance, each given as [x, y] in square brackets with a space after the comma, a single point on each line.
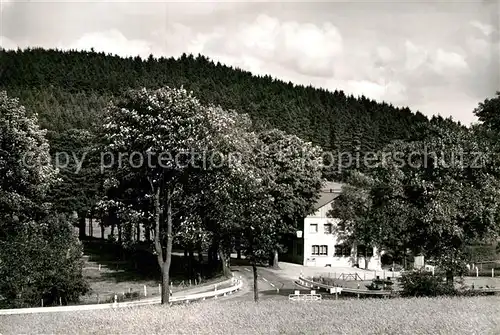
[68, 89]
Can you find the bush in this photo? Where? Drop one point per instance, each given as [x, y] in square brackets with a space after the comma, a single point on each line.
[41, 261]
[424, 284]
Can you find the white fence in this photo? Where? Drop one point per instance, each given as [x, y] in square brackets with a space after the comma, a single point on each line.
[237, 285]
[297, 296]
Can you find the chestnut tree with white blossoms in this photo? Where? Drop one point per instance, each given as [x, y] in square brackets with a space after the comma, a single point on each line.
[166, 136]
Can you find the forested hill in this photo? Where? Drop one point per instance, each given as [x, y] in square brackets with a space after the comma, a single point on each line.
[69, 89]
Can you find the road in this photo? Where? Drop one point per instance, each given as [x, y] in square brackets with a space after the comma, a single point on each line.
[270, 284]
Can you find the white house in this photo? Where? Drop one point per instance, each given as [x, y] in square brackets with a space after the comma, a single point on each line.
[319, 246]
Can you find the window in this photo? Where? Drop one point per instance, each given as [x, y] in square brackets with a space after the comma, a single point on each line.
[314, 228]
[320, 250]
[315, 250]
[361, 251]
[323, 250]
[338, 250]
[364, 251]
[346, 251]
[342, 250]
[328, 228]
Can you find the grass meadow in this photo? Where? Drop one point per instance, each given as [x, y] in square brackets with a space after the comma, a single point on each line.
[477, 315]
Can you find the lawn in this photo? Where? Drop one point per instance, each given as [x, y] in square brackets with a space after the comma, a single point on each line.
[119, 275]
[479, 315]
[104, 286]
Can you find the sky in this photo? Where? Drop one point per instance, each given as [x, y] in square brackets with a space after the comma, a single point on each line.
[438, 57]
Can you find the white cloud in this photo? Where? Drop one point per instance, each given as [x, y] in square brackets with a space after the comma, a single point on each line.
[111, 41]
[486, 29]
[385, 54]
[7, 43]
[478, 46]
[416, 56]
[307, 48]
[449, 62]
[394, 92]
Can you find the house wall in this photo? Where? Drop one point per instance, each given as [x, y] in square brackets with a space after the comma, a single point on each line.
[320, 238]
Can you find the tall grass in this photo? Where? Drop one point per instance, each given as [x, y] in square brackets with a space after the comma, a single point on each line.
[480, 315]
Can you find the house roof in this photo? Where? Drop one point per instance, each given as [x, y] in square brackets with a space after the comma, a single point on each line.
[329, 192]
[325, 199]
[331, 186]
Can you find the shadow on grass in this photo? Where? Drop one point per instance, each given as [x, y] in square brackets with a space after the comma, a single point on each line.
[140, 264]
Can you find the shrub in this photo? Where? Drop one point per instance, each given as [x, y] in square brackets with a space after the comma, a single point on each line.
[424, 284]
[41, 261]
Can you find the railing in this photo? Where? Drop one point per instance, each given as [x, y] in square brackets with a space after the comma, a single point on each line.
[349, 276]
[297, 296]
[336, 290]
[362, 275]
[193, 297]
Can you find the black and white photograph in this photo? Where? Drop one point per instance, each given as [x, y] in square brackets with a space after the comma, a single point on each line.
[250, 167]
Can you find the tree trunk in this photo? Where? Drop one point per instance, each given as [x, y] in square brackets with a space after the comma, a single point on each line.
[81, 226]
[102, 230]
[238, 248]
[255, 283]
[213, 256]
[119, 234]
[404, 256]
[168, 258]
[91, 227]
[449, 278]
[187, 262]
[138, 232]
[274, 260]
[367, 259]
[225, 260]
[191, 263]
[163, 262]
[355, 254]
[165, 284]
[209, 257]
[200, 263]
[200, 256]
